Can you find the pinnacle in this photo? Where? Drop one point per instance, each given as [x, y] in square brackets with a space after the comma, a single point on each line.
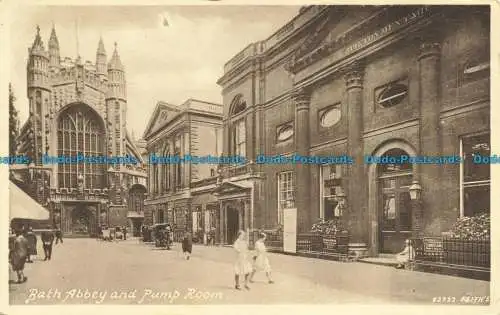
[100, 47]
[53, 36]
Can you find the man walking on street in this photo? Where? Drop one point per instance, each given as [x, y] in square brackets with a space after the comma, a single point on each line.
[48, 241]
[32, 244]
[19, 256]
[58, 235]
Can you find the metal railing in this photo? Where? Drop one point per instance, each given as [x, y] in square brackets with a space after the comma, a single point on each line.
[464, 257]
[309, 244]
[323, 246]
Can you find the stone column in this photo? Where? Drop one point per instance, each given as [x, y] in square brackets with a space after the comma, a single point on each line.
[226, 138]
[241, 217]
[301, 99]
[98, 214]
[356, 192]
[171, 166]
[259, 134]
[430, 132]
[221, 223]
[250, 135]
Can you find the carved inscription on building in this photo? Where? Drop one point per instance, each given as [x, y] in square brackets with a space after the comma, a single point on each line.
[389, 28]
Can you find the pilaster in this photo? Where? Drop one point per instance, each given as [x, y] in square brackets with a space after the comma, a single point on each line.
[301, 99]
[429, 61]
[356, 185]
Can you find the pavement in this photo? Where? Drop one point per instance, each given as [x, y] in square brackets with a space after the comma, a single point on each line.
[88, 271]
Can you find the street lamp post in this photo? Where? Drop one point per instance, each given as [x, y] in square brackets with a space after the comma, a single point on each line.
[341, 198]
[416, 200]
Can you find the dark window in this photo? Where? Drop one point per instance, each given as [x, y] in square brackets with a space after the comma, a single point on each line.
[237, 105]
[393, 164]
[286, 193]
[284, 133]
[476, 69]
[330, 116]
[392, 95]
[240, 137]
[178, 166]
[331, 181]
[476, 175]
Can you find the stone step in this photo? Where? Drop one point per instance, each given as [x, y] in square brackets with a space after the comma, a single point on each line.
[381, 260]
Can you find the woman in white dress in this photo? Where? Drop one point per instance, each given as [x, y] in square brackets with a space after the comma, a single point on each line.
[406, 255]
[261, 261]
[242, 265]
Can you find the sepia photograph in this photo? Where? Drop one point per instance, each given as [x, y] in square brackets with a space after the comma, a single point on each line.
[218, 155]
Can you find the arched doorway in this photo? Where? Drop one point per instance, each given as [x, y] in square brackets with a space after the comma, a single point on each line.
[83, 221]
[80, 130]
[394, 203]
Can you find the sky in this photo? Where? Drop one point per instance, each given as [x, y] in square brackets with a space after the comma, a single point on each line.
[172, 64]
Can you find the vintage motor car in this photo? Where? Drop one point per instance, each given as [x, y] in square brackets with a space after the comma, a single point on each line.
[118, 233]
[163, 235]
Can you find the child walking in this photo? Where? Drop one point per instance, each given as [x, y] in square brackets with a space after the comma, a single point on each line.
[242, 266]
[261, 261]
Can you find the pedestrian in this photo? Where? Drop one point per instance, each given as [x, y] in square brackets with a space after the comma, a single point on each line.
[48, 241]
[99, 232]
[19, 256]
[407, 255]
[32, 244]
[124, 233]
[261, 261]
[59, 236]
[242, 266]
[187, 245]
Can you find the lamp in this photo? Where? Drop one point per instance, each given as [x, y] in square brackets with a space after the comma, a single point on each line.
[415, 190]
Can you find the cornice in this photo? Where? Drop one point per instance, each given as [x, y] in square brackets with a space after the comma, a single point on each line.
[351, 37]
[270, 52]
[340, 65]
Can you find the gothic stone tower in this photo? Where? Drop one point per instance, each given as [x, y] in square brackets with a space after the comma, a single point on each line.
[79, 108]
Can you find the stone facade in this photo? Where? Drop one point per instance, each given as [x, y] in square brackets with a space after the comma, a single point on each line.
[80, 108]
[180, 192]
[359, 81]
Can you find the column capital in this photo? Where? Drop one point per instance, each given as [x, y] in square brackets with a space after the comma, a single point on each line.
[429, 48]
[301, 98]
[353, 76]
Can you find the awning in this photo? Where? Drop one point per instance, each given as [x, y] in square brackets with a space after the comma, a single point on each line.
[22, 206]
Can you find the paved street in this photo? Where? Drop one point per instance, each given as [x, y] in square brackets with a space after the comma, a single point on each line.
[130, 272]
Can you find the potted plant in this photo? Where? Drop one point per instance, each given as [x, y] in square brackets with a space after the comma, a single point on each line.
[331, 232]
[467, 242]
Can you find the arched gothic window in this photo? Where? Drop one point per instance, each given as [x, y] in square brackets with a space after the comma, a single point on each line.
[80, 131]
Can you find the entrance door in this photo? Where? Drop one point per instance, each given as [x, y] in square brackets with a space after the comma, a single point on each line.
[395, 216]
[83, 221]
[233, 225]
